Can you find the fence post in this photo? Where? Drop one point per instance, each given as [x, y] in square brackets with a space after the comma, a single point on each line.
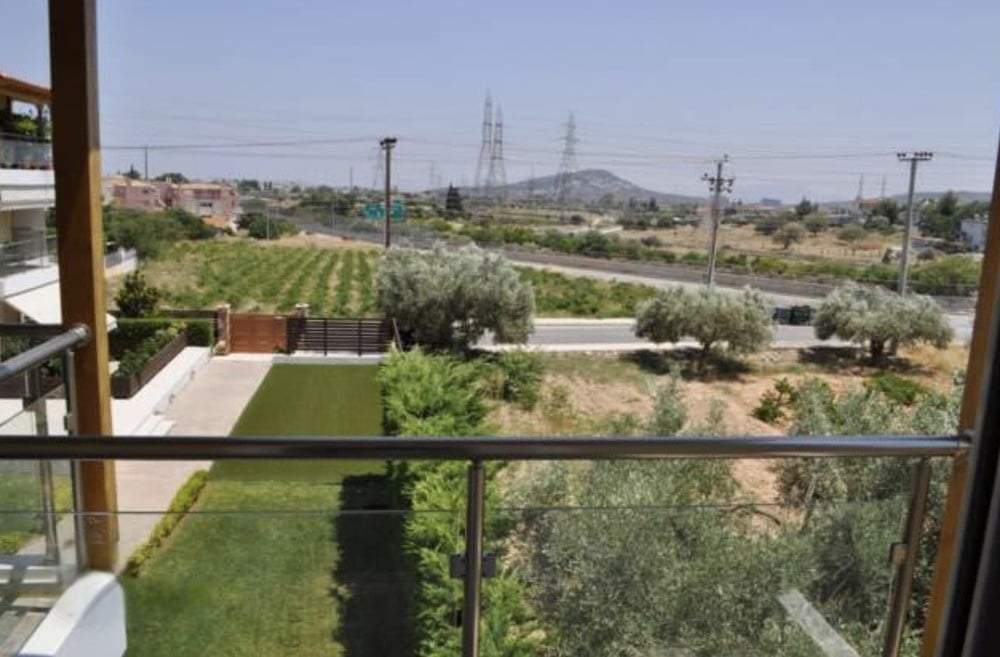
[326, 335]
[905, 554]
[223, 341]
[475, 492]
[359, 337]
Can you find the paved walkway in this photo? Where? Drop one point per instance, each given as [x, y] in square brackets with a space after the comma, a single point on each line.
[208, 406]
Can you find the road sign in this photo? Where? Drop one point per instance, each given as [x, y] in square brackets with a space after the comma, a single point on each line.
[376, 211]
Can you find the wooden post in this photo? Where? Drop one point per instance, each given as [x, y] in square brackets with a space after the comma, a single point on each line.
[975, 375]
[77, 160]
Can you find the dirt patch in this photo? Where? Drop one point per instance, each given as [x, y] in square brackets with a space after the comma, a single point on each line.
[318, 240]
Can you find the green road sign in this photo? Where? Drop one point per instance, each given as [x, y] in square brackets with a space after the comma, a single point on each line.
[376, 211]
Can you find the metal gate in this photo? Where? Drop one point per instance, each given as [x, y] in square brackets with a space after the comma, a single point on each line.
[326, 334]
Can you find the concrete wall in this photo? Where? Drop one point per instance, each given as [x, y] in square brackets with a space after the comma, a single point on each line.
[88, 620]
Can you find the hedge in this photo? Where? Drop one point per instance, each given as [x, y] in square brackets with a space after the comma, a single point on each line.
[133, 331]
[183, 500]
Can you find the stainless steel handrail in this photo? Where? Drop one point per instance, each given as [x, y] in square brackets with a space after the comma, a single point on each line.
[181, 448]
[38, 354]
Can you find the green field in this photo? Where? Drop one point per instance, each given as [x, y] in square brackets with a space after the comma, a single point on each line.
[266, 278]
[263, 565]
[340, 282]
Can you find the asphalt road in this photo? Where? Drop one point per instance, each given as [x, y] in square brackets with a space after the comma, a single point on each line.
[617, 335]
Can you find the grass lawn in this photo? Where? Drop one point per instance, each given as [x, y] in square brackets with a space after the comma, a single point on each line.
[269, 577]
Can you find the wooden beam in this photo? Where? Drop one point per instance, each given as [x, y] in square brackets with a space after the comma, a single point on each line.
[975, 379]
[77, 160]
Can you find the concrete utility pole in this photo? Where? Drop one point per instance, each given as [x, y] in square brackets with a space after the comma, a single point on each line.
[350, 179]
[145, 162]
[904, 262]
[387, 145]
[716, 184]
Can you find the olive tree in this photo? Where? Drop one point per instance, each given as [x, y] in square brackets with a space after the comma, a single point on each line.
[788, 234]
[741, 322]
[447, 299]
[881, 319]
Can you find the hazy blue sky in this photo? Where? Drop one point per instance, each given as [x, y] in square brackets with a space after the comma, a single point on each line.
[658, 88]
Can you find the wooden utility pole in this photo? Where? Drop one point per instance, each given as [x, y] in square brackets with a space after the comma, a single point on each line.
[904, 261]
[77, 161]
[716, 184]
[387, 145]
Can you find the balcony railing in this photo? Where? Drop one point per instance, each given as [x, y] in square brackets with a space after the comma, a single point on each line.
[261, 531]
[24, 152]
[38, 251]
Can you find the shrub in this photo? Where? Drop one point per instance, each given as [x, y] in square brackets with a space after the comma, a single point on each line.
[130, 332]
[184, 499]
[522, 377]
[669, 409]
[740, 321]
[137, 298]
[790, 233]
[882, 320]
[426, 394]
[897, 389]
[851, 234]
[816, 222]
[773, 403]
[200, 332]
[449, 299]
[132, 361]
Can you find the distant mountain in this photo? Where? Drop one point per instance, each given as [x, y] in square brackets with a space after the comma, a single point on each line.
[963, 196]
[587, 186]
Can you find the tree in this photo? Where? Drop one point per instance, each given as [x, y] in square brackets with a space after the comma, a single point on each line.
[805, 208]
[879, 223]
[816, 222]
[881, 319]
[453, 201]
[887, 208]
[851, 233]
[172, 177]
[739, 321]
[788, 234]
[448, 299]
[132, 173]
[137, 298]
[343, 204]
[941, 218]
[652, 205]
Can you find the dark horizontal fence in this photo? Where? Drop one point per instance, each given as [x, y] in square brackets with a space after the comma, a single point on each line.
[126, 386]
[325, 334]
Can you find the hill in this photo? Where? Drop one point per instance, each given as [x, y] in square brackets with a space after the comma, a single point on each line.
[587, 186]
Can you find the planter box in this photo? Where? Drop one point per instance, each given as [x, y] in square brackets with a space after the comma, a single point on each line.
[124, 387]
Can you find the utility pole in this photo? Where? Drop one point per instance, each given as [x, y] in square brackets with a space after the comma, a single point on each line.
[716, 184]
[904, 262]
[387, 145]
[350, 179]
[145, 162]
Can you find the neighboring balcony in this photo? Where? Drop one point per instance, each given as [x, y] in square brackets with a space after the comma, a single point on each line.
[25, 152]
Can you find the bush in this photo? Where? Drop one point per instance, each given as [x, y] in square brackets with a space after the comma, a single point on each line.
[790, 233]
[184, 499]
[851, 234]
[522, 377]
[137, 298]
[897, 389]
[773, 403]
[427, 395]
[129, 333]
[200, 332]
[741, 321]
[132, 361]
[447, 299]
[150, 232]
[670, 412]
[882, 320]
[261, 228]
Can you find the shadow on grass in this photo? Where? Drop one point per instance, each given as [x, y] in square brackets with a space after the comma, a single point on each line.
[689, 364]
[374, 583]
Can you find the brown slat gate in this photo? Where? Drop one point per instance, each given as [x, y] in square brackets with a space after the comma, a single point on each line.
[359, 335]
[257, 333]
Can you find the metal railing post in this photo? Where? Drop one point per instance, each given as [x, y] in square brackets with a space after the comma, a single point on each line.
[69, 388]
[475, 493]
[905, 555]
[36, 401]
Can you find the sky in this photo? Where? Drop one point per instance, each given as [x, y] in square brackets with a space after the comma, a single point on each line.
[805, 96]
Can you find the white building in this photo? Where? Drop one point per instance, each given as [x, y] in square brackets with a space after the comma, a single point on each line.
[974, 232]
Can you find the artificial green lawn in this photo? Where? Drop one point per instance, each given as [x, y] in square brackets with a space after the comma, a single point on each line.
[245, 583]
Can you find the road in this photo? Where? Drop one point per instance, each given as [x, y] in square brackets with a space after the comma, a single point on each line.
[617, 335]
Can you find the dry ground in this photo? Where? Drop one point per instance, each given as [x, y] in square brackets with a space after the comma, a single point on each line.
[581, 392]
